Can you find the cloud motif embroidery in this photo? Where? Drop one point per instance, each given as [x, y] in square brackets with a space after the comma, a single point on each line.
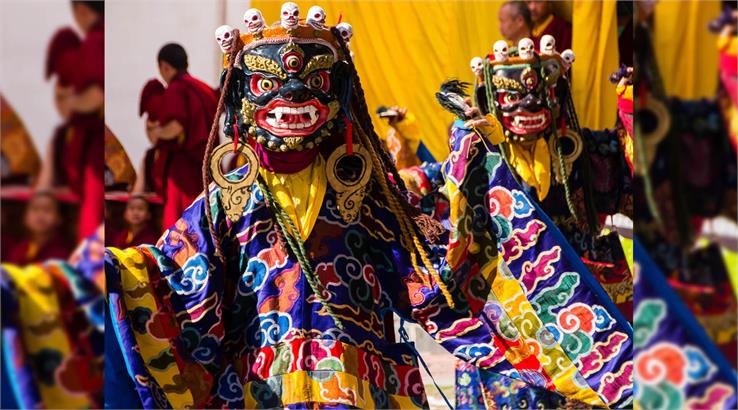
[475, 351]
[229, 387]
[192, 277]
[522, 206]
[268, 328]
[253, 277]
[206, 350]
[699, 367]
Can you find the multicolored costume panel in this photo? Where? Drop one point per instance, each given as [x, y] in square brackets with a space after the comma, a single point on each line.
[196, 333]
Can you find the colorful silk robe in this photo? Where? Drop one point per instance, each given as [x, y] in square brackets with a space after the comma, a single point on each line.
[679, 366]
[52, 331]
[483, 389]
[192, 332]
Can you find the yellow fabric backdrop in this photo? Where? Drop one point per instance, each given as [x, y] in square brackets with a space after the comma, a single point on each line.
[595, 43]
[405, 49]
[685, 50]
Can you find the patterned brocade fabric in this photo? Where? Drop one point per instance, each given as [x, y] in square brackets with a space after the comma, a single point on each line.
[480, 389]
[679, 366]
[196, 333]
[52, 328]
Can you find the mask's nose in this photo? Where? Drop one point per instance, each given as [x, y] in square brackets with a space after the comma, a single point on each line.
[531, 103]
[294, 91]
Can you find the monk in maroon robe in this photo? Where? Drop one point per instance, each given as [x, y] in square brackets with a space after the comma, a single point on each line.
[546, 22]
[138, 225]
[43, 240]
[183, 118]
[76, 154]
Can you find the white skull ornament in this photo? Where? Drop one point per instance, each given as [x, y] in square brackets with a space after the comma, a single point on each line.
[290, 15]
[547, 45]
[254, 21]
[477, 65]
[500, 50]
[568, 57]
[525, 48]
[225, 37]
[316, 17]
[346, 31]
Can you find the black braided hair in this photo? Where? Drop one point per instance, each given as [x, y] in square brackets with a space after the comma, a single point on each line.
[207, 178]
[429, 227]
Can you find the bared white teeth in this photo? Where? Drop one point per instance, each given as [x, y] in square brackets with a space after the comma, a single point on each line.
[278, 114]
[531, 121]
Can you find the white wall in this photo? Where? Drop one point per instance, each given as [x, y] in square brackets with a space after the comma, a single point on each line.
[135, 30]
[26, 27]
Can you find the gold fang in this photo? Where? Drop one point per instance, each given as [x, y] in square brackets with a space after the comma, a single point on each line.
[321, 62]
[505, 83]
[259, 63]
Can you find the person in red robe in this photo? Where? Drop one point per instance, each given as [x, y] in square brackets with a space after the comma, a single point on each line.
[546, 22]
[138, 225]
[44, 241]
[515, 22]
[179, 130]
[76, 155]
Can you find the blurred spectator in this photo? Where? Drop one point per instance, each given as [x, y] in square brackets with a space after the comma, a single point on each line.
[137, 217]
[42, 220]
[546, 22]
[515, 21]
[178, 124]
[402, 138]
[75, 157]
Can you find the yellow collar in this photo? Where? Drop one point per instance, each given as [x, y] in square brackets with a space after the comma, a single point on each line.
[300, 194]
[539, 29]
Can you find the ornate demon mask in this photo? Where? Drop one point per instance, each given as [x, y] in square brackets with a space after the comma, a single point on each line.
[523, 90]
[289, 97]
[289, 87]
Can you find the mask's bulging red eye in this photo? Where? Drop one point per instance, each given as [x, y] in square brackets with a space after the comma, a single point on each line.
[318, 81]
[292, 62]
[260, 85]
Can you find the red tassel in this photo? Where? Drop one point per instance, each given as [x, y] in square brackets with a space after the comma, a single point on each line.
[642, 95]
[340, 17]
[563, 126]
[349, 133]
[235, 135]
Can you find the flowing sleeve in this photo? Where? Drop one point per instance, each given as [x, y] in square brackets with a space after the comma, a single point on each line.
[164, 309]
[524, 304]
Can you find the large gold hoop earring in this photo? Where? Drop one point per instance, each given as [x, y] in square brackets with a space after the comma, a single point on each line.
[653, 137]
[349, 181]
[569, 156]
[234, 194]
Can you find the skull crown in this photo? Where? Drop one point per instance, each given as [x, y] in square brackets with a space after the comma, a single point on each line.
[289, 15]
[477, 65]
[316, 17]
[526, 48]
[547, 45]
[254, 21]
[289, 19]
[500, 50]
[225, 37]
